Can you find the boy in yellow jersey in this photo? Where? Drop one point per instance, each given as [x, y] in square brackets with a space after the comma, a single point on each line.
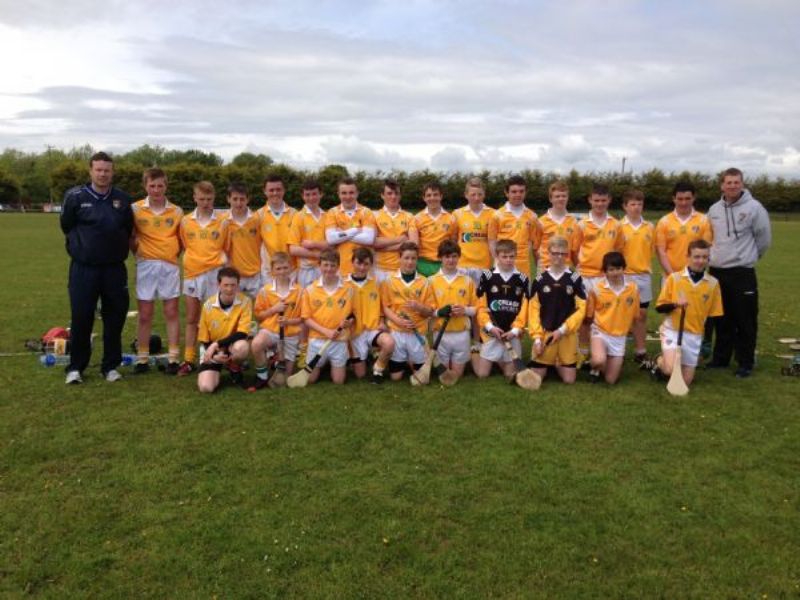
[430, 227]
[599, 235]
[555, 312]
[370, 330]
[407, 302]
[612, 307]
[514, 221]
[638, 246]
[326, 306]
[699, 294]
[454, 293]
[156, 245]
[307, 234]
[204, 235]
[276, 218]
[244, 240]
[472, 230]
[224, 326]
[349, 225]
[277, 304]
[558, 222]
[502, 311]
[677, 229]
[391, 229]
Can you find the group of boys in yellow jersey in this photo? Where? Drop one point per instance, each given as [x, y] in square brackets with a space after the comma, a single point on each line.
[350, 283]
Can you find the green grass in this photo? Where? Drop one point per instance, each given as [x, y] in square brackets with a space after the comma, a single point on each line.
[147, 489]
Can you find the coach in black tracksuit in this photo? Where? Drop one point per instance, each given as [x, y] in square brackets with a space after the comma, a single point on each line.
[97, 220]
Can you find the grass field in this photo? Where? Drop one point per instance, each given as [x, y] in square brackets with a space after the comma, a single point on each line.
[146, 489]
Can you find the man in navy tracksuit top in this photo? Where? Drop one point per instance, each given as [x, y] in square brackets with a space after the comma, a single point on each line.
[97, 220]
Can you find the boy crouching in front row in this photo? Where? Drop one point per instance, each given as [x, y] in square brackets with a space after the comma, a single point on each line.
[613, 306]
[454, 294]
[502, 311]
[407, 302]
[555, 313]
[277, 306]
[326, 308]
[224, 325]
[370, 330]
[696, 292]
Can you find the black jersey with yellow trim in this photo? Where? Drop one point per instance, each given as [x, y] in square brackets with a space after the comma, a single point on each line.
[504, 297]
[557, 297]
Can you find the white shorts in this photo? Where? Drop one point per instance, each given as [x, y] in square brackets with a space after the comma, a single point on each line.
[589, 283]
[337, 352]
[362, 343]
[643, 283]
[305, 276]
[290, 343]
[203, 286]
[407, 348]
[615, 344]
[494, 350]
[454, 347]
[250, 285]
[690, 345]
[157, 280]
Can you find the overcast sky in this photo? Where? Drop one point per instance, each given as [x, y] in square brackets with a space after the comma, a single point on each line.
[698, 85]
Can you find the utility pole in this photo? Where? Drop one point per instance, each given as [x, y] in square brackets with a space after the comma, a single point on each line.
[624, 158]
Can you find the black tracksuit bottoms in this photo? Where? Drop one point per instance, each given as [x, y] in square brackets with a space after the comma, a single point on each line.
[87, 283]
[737, 329]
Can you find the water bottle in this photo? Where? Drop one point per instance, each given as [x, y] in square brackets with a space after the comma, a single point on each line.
[50, 360]
[154, 360]
[128, 360]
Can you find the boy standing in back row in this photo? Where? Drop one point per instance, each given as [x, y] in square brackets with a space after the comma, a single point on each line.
[244, 240]
[156, 245]
[516, 222]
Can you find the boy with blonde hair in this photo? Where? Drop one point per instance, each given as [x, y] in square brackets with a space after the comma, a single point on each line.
[472, 230]
[638, 246]
[277, 306]
[558, 222]
[407, 301]
[156, 244]
[612, 308]
[502, 311]
[555, 312]
[204, 236]
[326, 309]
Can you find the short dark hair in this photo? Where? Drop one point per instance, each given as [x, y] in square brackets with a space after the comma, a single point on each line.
[683, 186]
[362, 254]
[310, 184]
[237, 188]
[100, 157]
[153, 173]
[515, 180]
[434, 186]
[391, 184]
[700, 244]
[600, 189]
[273, 178]
[613, 259]
[406, 246]
[346, 181]
[629, 195]
[228, 272]
[448, 247]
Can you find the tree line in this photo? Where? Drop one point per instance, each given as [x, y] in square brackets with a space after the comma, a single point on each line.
[32, 179]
